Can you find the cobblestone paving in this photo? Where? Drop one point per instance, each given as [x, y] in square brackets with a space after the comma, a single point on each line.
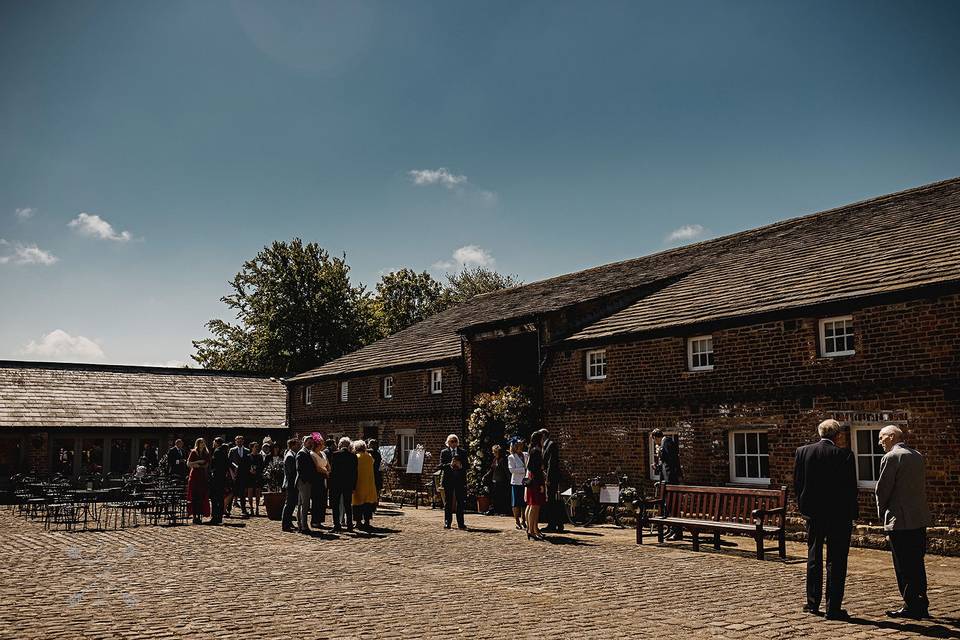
[413, 579]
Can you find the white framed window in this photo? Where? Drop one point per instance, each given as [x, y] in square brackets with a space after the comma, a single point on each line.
[749, 457]
[308, 394]
[344, 391]
[436, 381]
[388, 387]
[408, 442]
[655, 452]
[597, 364]
[836, 336]
[700, 353]
[865, 442]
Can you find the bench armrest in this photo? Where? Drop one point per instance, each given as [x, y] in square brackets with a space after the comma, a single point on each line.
[759, 515]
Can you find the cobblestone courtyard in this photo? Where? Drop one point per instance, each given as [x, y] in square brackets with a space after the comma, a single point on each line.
[413, 579]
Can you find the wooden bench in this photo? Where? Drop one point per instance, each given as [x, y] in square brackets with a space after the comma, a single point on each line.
[759, 513]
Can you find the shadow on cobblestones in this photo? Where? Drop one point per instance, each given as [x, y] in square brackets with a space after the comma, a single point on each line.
[937, 630]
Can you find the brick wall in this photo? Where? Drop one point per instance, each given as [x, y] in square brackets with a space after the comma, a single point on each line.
[768, 376]
[413, 406]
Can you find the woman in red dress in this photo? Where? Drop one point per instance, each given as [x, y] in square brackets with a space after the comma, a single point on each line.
[536, 493]
[198, 493]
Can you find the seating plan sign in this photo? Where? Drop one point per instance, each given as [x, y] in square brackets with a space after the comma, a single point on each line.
[610, 494]
[415, 461]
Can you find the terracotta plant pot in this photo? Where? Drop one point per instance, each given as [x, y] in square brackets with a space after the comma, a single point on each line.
[274, 503]
[483, 503]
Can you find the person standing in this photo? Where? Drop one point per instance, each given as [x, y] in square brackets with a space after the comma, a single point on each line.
[453, 463]
[219, 466]
[825, 481]
[667, 466]
[365, 493]
[498, 476]
[290, 483]
[535, 494]
[177, 461]
[198, 490]
[552, 474]
[373, 448]
[343, 480]
[306, 470]
[517, 464]
[149, 457]
[240, 472]
[318, 492]
[902, 506]
[255, 477]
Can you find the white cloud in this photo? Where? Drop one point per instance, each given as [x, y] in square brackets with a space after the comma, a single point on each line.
[24, 254]
[24, 213]
[467, 256]
[458, 183]
[60, 345]
[686, 233]
[92, 225]
[426, 177]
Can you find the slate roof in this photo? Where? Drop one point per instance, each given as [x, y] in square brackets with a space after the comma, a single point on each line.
[892, 242]
[36, 395]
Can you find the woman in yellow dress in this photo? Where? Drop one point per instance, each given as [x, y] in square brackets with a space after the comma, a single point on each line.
[365, 493]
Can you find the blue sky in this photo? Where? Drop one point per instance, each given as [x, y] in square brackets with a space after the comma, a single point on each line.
[536, 137]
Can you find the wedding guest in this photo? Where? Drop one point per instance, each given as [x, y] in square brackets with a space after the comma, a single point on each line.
[552, 474]
[365, 493]
[343, 480]
[198, 494]
[254, 483]
[290, 483]
[149, 457]
[373, 447]
[536, 495]
[498, 479]
[306, 470]
[517, 463]
[239, 457]
[318, 492]
[177, 461]
[453, 463]
[219, 492]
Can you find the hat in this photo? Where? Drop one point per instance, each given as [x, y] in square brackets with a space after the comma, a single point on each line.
[267, 441]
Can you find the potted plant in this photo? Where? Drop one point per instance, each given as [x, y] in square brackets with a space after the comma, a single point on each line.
[274, 497]
[483, 499]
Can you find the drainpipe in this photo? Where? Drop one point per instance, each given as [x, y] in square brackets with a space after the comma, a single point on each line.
[541, 360]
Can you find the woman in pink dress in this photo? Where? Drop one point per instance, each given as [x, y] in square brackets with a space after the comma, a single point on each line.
[198, 492]
[536, 492]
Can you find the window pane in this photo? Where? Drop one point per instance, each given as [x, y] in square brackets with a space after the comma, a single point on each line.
[753, 467]
[763, 443]
[741, 464]
[863, 441]
[876, 466]
[63, 455]
[875, 442]
[764, 466]
[710, 358]
[120, 456]
[827, 329]
[92, 452]
[849, 343]
[751, 443]
[864, 468]
[739, 443]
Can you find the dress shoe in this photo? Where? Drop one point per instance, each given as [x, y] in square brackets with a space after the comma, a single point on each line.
[288, 529]
[336, 529]
[550, 529]
[306, 531]
[814, 610]
[840, 614]
[446, 526]
[462, 527]
[904, 612]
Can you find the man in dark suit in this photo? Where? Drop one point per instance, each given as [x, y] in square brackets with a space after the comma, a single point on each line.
[902, 507]
[453, 463]
[667, 466]
[342, 482]
[219, 464]
[825, 479]
[177, 461]
[551, 471]
[306, 470]
[240, 472]
[290, 483]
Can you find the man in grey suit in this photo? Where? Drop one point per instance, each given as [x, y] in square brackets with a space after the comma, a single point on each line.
[239, 458]
[902, 507]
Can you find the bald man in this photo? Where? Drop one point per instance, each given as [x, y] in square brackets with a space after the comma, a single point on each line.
[902, 507]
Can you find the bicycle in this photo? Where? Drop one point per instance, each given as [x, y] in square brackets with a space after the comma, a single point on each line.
[589, 504]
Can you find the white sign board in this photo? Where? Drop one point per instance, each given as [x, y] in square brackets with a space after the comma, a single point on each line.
[415, 461]
[610, 494]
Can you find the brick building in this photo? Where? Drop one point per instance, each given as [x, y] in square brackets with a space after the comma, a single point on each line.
[740, 344]
[101, 416]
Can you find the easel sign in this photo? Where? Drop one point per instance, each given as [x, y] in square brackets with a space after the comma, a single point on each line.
[414, 472]
[415, 461]
[610, 494]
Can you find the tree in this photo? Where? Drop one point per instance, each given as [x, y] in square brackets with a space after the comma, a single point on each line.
[295, 310]
[467, 283]
[404, 298]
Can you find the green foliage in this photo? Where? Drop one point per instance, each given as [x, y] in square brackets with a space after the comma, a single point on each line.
[496, 418]
[468, 283]
[295, 310]
[404, 298]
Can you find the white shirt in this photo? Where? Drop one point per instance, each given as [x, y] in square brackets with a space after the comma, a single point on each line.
[518, 467]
